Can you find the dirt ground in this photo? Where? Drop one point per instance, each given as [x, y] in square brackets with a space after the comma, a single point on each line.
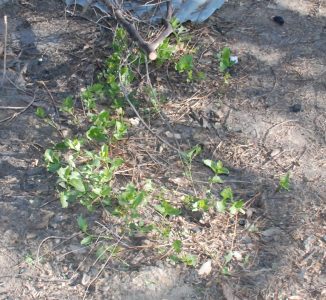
[269, 120]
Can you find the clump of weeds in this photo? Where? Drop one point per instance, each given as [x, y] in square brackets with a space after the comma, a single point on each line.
[88, 166]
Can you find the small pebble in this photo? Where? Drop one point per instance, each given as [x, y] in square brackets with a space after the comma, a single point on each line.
[31, 236]
[278, 19]
[296, 108]
[85, 279]
[242, 222]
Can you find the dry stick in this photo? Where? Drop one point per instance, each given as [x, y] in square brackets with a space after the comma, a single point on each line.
[12, 107]
[273, 126]
[18, 113]
[145, 124]
[51, 97]
[148, 47]
[102, 269]
[161, 113]
[46, 239]
[5, 50]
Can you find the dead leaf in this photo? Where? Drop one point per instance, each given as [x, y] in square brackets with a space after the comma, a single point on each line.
[206, 268]
[250, 212]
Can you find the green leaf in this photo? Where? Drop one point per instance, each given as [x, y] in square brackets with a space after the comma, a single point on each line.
[64, 199]
[216, 167]
[127, 196]
[166, 209]
[216, 179]
[192, 153]
[104, 153]
[227, 194]
[228, 257]
[189, 260]
[237, 207]
[96, 133]
[64, 173]
[53, 167]
[67, 105]
[164, 52]
[73, 144]
[175, 23]
[284, 182]
[225, 271]
[131, 197]
[116, 163]
[61, 146]
[177, 246]
[82, 223]
[139, 198]
[76, 181]
[102, 119]
[184, 64]
[224, 58]
[126, 75]
[200, 205]
[50, 156]
[40, 112]
[67, 197]
[121, 129]
[86, 240]
[221, 206]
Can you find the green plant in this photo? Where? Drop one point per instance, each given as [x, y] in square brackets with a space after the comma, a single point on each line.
[29, 259]
[40, 112]
[177, 246]
[189, 259]
[224, 57]
[227, 203]
[89, 166]
[67, 106]
[196, 204]
[191, 154]
[284, 183]
[217, 168]
[165, 52]
[185, 65]
[179, 31]
[188, 157]
[167, 210]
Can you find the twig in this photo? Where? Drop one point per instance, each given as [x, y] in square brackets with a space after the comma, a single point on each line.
[5, 50]
[272, 127]
[46, 239]
[94, 245]
[161, 113]
[148, 47]
[102, 268]
[125, 94]
[18, 113]
[51, 97]
[12, 107]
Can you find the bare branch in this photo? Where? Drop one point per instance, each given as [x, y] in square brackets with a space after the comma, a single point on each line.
[149, 47]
